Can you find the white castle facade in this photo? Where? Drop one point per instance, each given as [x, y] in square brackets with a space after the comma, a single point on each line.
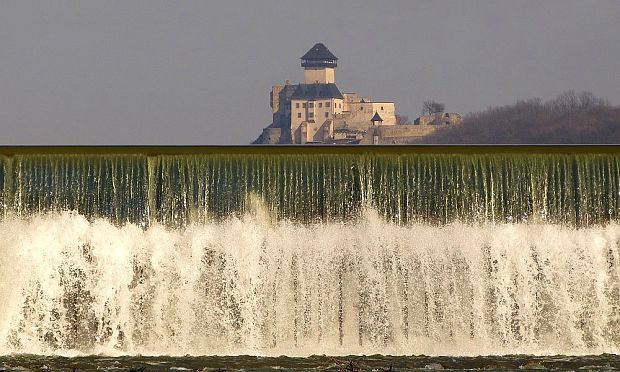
[315, 111]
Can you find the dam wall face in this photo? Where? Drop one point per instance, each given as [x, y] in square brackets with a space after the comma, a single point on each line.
[309, 254]
[433, 188]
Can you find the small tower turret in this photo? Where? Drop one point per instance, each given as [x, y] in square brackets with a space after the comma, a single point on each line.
[319, 65]
[376, 119]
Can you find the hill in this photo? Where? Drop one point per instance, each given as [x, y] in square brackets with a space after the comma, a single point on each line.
[570, 118]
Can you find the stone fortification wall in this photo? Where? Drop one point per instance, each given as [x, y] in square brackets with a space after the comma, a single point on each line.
[397, 134]
[440, 118]
[271, 136]
[274, 98]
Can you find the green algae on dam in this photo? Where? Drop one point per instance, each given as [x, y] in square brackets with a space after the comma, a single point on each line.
[576, 185]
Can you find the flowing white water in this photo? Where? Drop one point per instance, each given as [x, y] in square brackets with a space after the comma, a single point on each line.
[257, 286]
[572, 189]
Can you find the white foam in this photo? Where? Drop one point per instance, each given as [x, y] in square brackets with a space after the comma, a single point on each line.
[255, 286]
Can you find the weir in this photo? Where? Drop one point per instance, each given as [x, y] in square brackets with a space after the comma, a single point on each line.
[576, 186]
[313, 250]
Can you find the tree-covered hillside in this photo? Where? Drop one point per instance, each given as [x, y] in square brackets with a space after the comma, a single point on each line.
[571, 118]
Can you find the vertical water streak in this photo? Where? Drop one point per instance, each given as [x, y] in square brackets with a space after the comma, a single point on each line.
[110, 186]
[4, 166]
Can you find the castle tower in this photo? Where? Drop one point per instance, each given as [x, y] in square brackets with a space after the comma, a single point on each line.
[319, 65]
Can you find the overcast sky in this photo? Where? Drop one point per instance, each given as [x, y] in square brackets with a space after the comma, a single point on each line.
[199, 72]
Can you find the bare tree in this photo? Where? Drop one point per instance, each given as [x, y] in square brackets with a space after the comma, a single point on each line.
[432, 107]
[402, 120]
[569, 102]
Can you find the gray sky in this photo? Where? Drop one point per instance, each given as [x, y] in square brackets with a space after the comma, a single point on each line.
[199, 72]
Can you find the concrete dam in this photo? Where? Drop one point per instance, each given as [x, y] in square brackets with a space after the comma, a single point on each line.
[320, 250]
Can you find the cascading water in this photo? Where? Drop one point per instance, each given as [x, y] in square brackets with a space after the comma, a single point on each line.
[310, 254]
[578, 190]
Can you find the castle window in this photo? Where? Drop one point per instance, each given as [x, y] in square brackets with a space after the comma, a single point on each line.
[311, 114]
[297, 105]
[311, 105]
[299, 115]
[326, 114]
[381, 108]
[361, 108]
[320, 104]
[327, 104]
[303, 105]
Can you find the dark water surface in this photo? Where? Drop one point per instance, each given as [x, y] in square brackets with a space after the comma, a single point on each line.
[605, 362]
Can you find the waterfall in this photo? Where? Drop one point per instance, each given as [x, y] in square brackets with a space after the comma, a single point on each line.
[580, 190]
[248, 286]
[299, 255]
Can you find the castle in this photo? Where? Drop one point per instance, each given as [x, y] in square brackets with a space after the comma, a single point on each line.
[315, 111]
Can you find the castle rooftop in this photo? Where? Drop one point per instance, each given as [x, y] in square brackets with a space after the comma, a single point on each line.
[319, 56]
[316, 91]
[376, 117]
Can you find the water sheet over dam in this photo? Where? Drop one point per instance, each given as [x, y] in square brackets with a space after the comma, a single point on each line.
[299, 252]
[324, 185]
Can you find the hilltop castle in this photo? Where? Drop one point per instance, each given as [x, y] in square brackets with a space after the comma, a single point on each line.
[315, 111]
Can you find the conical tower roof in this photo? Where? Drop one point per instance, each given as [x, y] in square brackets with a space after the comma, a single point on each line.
[376, 117]
[319, 52]
[319, 56]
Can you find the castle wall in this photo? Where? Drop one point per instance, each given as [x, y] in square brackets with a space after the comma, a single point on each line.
[274, 98]
[360, 113]
[280, 102]
[316, 111]
[271, 135]
[440, 118]
[398, 134]
[314, 132]
[386, 110]
[319, 75]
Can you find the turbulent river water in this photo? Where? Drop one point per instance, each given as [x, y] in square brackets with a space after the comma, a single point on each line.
[298, 255]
